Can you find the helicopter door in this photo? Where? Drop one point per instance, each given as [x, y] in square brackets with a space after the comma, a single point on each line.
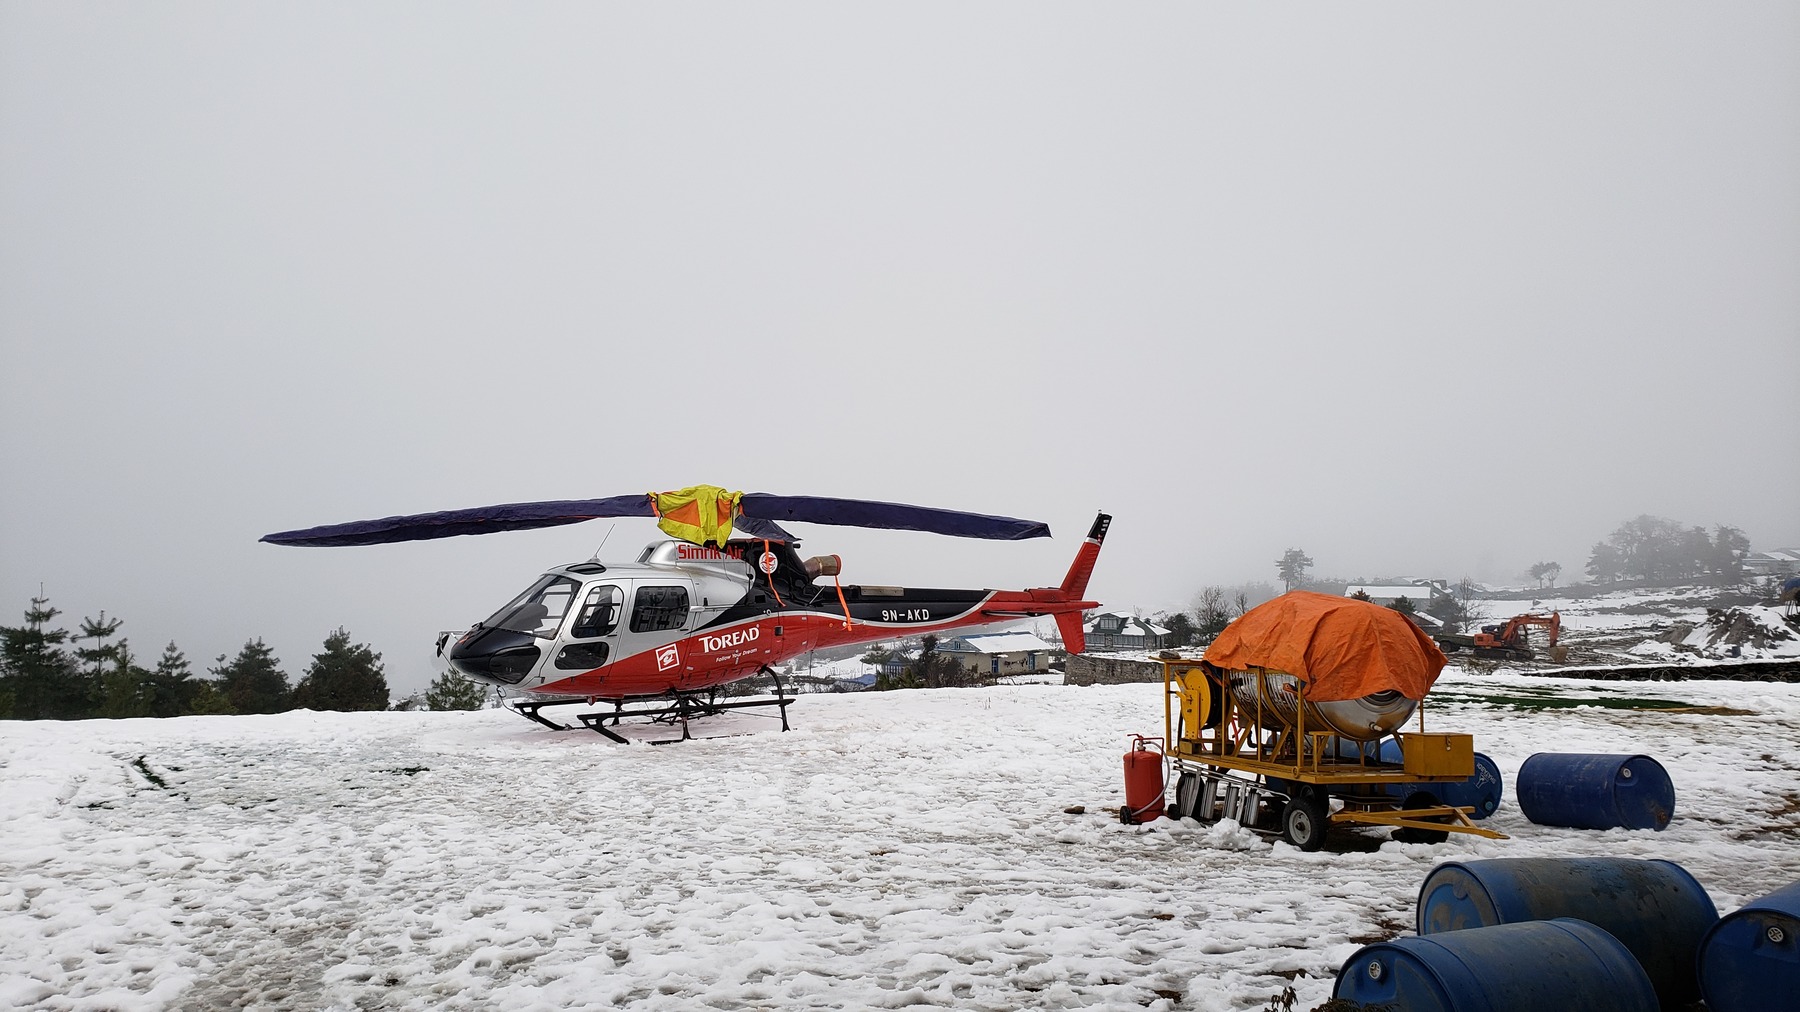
[660, 611]
[596, 623]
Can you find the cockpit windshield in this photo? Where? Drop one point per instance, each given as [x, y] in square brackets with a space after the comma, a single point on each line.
[539, 610]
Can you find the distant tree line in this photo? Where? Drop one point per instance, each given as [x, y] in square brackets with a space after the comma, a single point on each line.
[1655, 550]
[1212, 610]
[49, 673]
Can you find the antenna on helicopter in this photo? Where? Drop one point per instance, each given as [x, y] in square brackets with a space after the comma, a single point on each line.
[596, 556]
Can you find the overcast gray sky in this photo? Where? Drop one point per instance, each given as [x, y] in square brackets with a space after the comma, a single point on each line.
[1421, 289]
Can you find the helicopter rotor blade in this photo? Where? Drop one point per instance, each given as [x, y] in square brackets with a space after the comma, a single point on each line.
[761, 516]
[522, 516]
[757, 527]
[888, 516]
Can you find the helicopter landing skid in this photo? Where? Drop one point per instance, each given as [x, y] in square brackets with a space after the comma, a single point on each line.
[529, 710]
[679, 709]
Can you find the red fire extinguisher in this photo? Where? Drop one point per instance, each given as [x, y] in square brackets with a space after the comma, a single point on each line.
[1143, 781]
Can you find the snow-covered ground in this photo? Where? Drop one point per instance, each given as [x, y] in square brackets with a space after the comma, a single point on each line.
[895, 850]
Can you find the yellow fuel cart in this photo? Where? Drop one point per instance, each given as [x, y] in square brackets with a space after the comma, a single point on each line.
[1272, 747]
[1232, 761]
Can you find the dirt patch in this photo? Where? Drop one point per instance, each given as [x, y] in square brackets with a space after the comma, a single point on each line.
[1784, 820]
[1749, 631]
[1736, 671]
[1562, 702]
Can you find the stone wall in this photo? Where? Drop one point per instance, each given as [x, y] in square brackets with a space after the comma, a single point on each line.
[1109, 669]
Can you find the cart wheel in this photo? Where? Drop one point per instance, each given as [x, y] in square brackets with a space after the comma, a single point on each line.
[1277, 807]
[1407, 834]
[1303, 821]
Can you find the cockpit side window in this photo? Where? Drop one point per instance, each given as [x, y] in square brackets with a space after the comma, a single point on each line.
[599, 612]
[539, 610]
[659, 608]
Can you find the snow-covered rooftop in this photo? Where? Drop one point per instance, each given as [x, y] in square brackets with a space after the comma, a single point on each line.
[1133, 625]
[1005, 643]
[1390, 591]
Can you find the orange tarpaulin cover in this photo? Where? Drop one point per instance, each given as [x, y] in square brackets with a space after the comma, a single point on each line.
[1342, 648]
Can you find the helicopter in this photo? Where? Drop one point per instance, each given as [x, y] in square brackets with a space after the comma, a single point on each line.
[661, 635]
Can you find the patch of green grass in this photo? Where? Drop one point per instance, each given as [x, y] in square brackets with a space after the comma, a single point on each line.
[1533, 702]
[149, 774]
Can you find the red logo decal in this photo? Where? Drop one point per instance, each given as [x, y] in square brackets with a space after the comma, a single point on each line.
[767, 562]
[668, 657]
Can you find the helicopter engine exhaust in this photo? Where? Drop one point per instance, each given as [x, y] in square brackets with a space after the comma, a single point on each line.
[823, 565]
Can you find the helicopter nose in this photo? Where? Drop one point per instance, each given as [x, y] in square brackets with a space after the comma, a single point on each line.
[495, 656]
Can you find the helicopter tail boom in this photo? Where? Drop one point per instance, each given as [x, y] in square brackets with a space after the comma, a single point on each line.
[1063, 603]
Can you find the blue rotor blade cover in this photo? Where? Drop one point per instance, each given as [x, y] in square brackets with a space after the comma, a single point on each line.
[889, 516]
[761, 516]
[454, 523]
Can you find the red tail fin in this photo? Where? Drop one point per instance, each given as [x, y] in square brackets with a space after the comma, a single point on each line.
[1074, 638]
[1075, 584]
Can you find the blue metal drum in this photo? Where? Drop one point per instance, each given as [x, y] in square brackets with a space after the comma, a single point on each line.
[1750, 960]
[1559, 964]
[1654, 908]
[1581, 791]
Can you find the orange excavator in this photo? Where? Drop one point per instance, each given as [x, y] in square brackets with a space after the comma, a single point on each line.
[1505, 640]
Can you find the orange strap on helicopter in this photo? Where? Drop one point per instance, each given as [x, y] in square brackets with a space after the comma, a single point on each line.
[841, 603]
[769, 573]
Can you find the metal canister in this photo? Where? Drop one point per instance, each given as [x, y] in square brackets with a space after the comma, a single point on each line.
[1655, 908]
[1557, 964]
[1276, 696]
[1750, 960]
[1588, 791]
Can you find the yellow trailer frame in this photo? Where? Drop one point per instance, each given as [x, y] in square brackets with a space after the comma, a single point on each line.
[1254, 760]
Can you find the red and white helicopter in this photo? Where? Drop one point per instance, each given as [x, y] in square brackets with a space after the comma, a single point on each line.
[657, 637]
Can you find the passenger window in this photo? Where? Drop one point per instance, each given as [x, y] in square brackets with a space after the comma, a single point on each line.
[659, 608]
[599, 613]
[581, 656]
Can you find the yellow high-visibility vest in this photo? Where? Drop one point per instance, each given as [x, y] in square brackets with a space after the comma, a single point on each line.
[701, 514]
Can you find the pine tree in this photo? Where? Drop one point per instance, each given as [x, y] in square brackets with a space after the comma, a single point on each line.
[172, 686]
[125, 688]
[1293, 565]
[343, 676]
[103, 656]
[253, 681]
[1181, 628]
[208, 698]
[38, 671]
[451, 691]
[96, 661]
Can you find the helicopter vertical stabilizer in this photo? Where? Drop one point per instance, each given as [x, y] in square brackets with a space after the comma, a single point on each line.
[1075, 584]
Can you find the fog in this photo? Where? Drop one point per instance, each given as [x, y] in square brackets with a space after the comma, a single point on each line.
[1420, 290]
